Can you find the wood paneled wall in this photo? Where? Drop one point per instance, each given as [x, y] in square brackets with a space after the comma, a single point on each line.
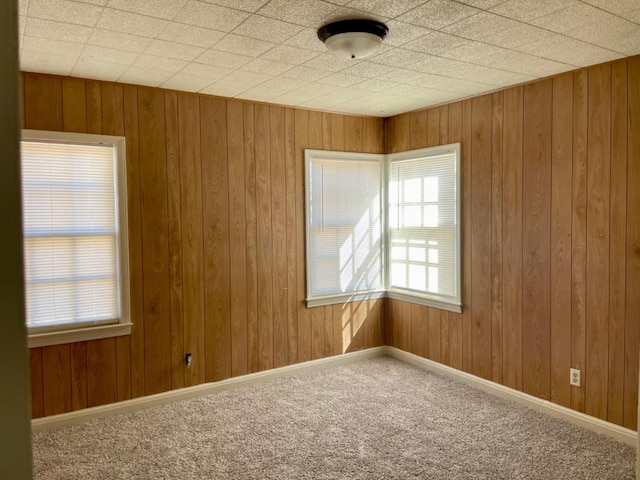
[216, 234]
[551, 239]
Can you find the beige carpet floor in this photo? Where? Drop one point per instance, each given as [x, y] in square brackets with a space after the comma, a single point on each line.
[376, 419]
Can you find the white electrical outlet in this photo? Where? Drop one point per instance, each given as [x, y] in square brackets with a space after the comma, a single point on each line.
[574, 377]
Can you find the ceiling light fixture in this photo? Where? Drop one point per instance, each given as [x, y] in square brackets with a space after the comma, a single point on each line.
[357, 39]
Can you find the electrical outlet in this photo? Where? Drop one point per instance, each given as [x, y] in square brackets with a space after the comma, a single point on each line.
[574, 377]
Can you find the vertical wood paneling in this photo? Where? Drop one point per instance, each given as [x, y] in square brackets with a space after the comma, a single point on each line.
[175, 240]
[618, 234]
[279, 232]
[434, 334]
[251, 230]
[536, 203]
[496, 235]
[153, 186]
[579, 233]
[74, 105]
[467, 306]
[419, 332]
[123, 368]
[134, 213]
[561, 181]
[237, 238]
[94, 106]
[79, 375]
[215, 226]
[265, 239]
[418, 135]
[101, 372]
[112, 109]
[481, 236]
[290, 181]
[433, 127]
[192, 237]
[56, 371]
[598, 199]
[512, 238]
[632, 337]
[37, 382]
[43, 104]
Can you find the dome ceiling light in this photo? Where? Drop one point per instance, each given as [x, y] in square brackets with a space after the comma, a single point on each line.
[356, 39]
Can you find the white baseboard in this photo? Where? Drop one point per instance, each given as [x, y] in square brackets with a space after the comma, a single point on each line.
[79, 416]
[591, 423]
[586, 421]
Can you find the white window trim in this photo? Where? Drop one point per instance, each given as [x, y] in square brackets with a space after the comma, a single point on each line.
[123, 327]
[320, 300]
[406, 295]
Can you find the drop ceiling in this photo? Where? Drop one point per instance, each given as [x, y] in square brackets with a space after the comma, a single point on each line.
[267, 50]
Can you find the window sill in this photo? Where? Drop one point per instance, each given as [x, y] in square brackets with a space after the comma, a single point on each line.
[423, 300]
[78, 335]
[345, 298]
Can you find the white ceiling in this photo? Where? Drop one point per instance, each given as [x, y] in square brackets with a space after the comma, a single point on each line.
[267, 50]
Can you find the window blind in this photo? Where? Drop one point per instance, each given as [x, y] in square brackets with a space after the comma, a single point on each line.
[345, 226]
[69, 195]
[422, 226]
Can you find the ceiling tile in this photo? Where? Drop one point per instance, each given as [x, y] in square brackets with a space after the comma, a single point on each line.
[166, 9]
[262, 93]
[325, 102]
[119, 41]
[525, 10]
[266, 66]
[524, 63]
[250, 47]
[55, 47]
[268, 29]
[160, 63]
[400, 75]
[316, 89]
[190, 35]
[572, 18]
[151, 77]
[435, 43]
[65, 11]
[246, 5]
[437, 14]
[207, 71]
[634, 16]
[345, 13]
[223, 59]
[351, 93]
[483, 25]
[300, 12]
[235, 83]
[37, 27]
[471, 51]
[306, 38]
[368, 69]
[385, 7]
[619, 7]
[328, 61]
[22, 24]
[614, 34]
[131, 23]
[108, 55]
[284, 83]
[162, 48]
[98, 70]
[342, 79]
[517, 36]
[570, 51]
[188, 83]
[23, 6]
[482, 4]
[289, 54]
[210, 16]
[401, 32]
[41, 62]
[398, 57]
[307, 74]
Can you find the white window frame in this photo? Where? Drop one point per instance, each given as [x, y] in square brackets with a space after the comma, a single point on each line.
[421, 298]
[426, 298]
[39, 337]
[319, 300]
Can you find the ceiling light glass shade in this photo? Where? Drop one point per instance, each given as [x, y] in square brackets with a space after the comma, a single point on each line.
[358, 38]
[353, 44]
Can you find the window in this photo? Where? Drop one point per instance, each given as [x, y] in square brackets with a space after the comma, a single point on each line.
[353, 216]
[344, 226]
[424, 227]
[75, 237]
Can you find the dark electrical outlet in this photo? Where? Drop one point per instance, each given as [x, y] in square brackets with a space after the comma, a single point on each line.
[187, 359]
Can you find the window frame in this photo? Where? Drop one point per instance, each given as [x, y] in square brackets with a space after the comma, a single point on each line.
[425, 298]
[320, 300]
[39, 337]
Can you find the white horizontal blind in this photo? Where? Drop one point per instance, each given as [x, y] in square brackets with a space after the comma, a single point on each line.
[345, 226]
[422, 226]
[70, 234]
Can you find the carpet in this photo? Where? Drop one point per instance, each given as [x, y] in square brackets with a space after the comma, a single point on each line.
[375, 419]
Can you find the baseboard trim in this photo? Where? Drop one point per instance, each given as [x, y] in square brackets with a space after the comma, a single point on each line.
[586, 421]
[79, 416]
